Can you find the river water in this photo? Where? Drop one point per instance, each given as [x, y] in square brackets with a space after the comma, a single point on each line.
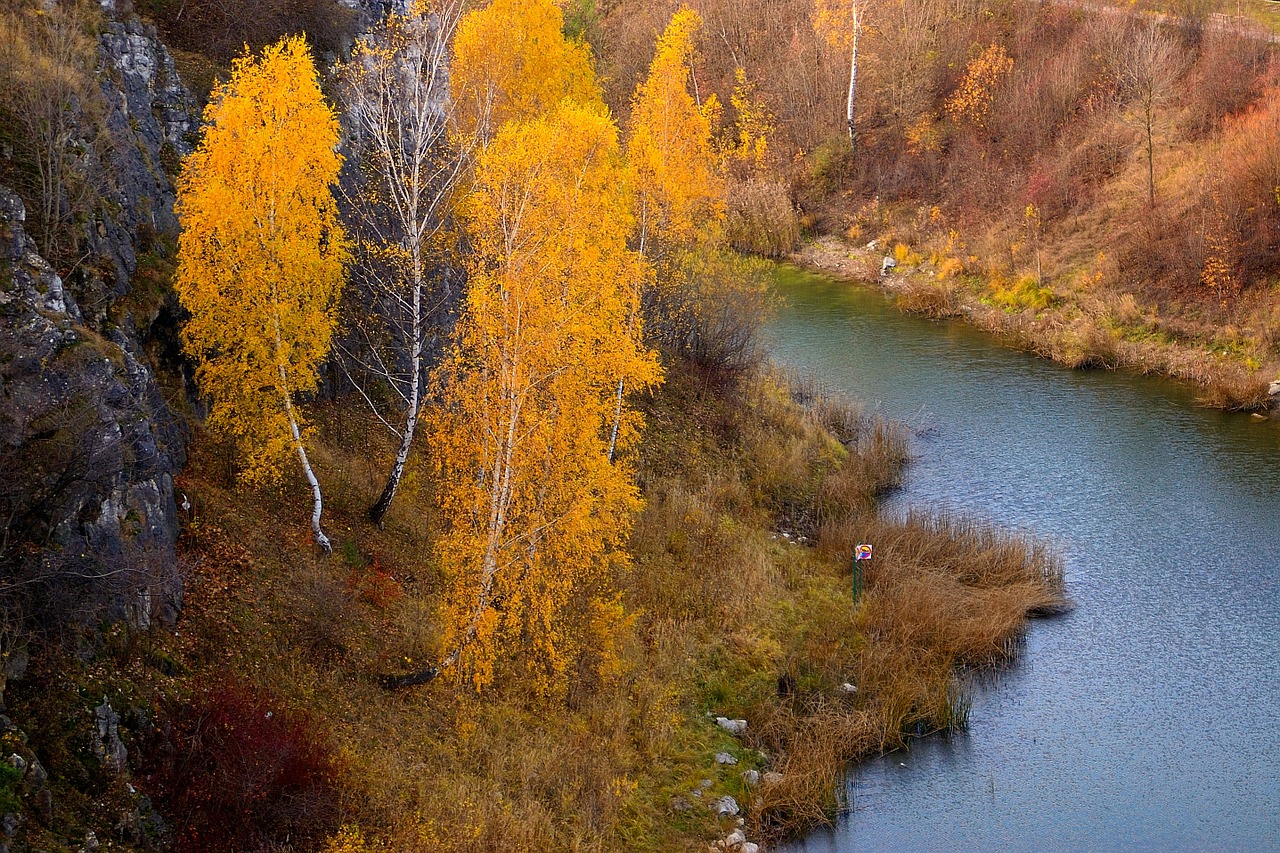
[1148, 718]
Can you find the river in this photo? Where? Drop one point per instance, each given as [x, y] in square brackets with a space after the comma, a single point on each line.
[1148, 718]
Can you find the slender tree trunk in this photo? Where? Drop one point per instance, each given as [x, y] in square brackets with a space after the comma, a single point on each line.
[501, 482]
[853, 80]
[1151, 162]
[617, 411]
[317, 500]
[617, 418]
[378, 511]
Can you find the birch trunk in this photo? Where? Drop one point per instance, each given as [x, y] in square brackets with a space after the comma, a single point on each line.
[501, 481]
[378, 512]
[317, 500]
[853, 80]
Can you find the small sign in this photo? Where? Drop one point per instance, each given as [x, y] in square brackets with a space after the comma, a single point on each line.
[862, 552]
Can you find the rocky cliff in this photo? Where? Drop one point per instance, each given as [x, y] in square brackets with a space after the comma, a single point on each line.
[88, 517]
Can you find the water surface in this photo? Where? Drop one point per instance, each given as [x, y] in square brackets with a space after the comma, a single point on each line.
[1149, 718]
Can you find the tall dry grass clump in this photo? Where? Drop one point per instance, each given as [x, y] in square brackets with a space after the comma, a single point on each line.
[943, 594]
[928, 297]
[1235, 389]
[761, 219]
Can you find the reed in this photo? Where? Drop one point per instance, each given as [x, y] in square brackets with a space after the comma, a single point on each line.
[928, 297]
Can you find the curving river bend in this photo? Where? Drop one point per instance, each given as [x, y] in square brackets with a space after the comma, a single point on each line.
[1149, 718]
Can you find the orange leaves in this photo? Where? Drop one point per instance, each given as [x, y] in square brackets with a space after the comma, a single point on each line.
[261, 255]
[972, 100]
[536, 504]
[511, 62]
[535, 511]
[680, 195]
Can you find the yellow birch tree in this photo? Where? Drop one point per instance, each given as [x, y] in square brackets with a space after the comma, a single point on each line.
[534, 508]
[679, 192]
[702, 302]
[261, 257]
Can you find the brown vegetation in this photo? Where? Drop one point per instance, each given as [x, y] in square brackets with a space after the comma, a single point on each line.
[740, 577]
[50, 116]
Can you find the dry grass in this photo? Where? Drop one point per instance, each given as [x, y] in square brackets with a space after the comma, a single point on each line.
[740, 577]
[944, 594]
[761, 219]
[931, 298]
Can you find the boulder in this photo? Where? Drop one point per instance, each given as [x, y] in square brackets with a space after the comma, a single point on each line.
[733, 727]
[725, 806]
[725, 758]
[751, 778]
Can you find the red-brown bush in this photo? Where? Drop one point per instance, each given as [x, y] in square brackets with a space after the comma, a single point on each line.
[239, 770]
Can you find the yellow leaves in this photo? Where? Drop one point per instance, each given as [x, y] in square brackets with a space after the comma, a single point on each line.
[973, 99]
[755, 122]
[834, 21]
[512, 62]
[261, 255]
[349, 839]
[535, 510]
[680, 195]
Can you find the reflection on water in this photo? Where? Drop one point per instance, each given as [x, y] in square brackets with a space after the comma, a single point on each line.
[1148, 718]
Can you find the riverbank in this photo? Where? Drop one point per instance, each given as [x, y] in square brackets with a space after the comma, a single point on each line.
[1088, 329]
[737, 605]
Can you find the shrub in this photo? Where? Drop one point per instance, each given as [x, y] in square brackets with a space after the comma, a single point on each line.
[241, 771]
[831, 164]
[1025, 292]
[711, 311]
[761, 219]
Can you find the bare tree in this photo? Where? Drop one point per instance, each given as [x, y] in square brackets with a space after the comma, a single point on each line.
[49, 101]
[1150, 68]
[396, 90]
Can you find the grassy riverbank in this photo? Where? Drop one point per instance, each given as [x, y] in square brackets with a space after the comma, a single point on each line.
[738, 604]
[1082, 327]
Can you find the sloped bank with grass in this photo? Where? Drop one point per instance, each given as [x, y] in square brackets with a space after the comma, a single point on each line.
[264, 703]
[1084, 327]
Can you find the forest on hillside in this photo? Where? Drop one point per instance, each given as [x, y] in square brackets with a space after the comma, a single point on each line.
[394, 458]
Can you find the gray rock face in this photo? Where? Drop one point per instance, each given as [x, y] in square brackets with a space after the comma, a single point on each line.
[106, 744]
[87, 440]
[151, 120]
[89, 450]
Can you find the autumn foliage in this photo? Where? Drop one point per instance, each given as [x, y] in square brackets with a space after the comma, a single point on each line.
[512, 62]
[537, 512]
[679, 193]
[235, 769]
[261, 257]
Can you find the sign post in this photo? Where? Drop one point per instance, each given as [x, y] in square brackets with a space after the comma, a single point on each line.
[861, 552]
